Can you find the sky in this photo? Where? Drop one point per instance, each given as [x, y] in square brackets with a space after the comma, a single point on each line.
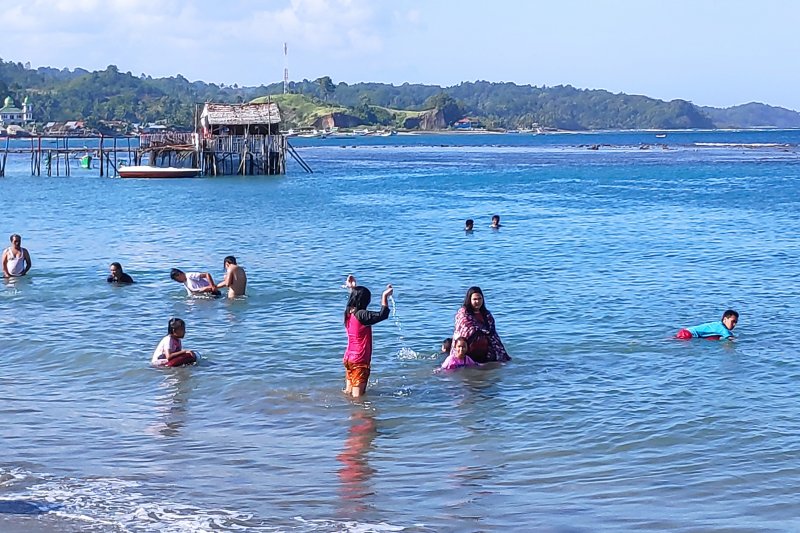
[711, 52]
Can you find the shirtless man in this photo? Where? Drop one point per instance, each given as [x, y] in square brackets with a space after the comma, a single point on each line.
[16, 259]
[235, 278]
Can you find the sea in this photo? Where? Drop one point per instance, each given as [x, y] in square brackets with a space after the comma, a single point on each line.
[610, 242]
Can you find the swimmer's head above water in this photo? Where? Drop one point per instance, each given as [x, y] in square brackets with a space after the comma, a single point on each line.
[447, 344]
[730, 318]
[177, 275]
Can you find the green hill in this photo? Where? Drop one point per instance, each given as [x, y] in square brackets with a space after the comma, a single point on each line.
[59, 95]
[298, 110]
[753, 115]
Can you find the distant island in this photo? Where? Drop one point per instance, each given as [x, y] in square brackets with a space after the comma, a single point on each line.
[116, 102]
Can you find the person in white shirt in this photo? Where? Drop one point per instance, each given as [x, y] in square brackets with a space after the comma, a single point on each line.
[16, 259]
[195, 282]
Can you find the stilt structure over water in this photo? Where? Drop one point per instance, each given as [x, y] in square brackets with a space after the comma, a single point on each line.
[59, 155]
[231, 139]
[241, 139]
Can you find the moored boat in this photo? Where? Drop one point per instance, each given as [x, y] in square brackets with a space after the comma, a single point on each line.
[144, 171]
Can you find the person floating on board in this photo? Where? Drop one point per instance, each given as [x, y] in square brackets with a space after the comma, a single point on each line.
[235, 278]
[117, 275]
[459, 357]
[195, 282]
[16, 259]
[495, 222]
[722, 329]
[169, 351]
[358, 323]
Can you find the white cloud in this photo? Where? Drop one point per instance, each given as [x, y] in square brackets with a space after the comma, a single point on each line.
[165, 37]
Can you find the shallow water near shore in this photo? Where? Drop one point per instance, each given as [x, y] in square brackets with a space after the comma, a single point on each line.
[601, 422]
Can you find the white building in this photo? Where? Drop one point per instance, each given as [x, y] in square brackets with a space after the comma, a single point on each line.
[11, 115]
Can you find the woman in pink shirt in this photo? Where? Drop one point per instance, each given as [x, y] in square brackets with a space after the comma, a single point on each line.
[358, 322]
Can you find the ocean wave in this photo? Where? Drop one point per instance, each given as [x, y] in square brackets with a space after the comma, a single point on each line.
[742, 145]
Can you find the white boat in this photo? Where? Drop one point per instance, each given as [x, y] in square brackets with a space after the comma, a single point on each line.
[144, 171]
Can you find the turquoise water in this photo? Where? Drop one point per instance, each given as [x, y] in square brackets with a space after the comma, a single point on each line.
[600, 423]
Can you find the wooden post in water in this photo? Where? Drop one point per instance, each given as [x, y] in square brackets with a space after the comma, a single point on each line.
[115, 152]
[5, 156]
[66, 156]
[100, 153]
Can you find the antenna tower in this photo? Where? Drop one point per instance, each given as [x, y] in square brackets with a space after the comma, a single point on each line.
[285, 68]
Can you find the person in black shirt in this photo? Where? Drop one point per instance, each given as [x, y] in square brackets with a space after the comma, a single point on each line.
[117, 275]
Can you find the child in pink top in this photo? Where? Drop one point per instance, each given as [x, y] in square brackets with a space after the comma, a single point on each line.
[169, 351]
[459, 357]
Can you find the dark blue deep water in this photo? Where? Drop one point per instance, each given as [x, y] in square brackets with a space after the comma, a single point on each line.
[601, 422]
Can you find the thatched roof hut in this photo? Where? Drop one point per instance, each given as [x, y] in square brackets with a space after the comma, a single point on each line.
[238, 119]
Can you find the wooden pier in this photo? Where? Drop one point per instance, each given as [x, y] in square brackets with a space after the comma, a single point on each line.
[231, 139]
[217, 155]
[57, 155]
[246, 155]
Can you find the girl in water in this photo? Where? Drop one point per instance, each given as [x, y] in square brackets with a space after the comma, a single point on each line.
[169, 351]
[459, 357]
[358, 322]
[476, 324]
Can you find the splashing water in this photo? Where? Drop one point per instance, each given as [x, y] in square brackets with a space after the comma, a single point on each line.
[396, 319]
[407, 353]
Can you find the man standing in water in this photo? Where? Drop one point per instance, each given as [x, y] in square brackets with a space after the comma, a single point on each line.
[16, 259]
[235, 278]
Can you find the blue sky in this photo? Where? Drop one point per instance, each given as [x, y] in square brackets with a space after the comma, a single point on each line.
[711, 52]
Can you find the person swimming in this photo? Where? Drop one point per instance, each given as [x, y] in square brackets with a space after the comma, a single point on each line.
[117, 275]
[719, 330]
[447, 345]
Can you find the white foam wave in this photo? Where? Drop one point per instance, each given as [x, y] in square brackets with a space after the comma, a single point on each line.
[350, 527]
[742, 145]
[112, 504]
[117, 504]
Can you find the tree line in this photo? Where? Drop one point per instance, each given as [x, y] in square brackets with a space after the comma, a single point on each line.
[112, 95]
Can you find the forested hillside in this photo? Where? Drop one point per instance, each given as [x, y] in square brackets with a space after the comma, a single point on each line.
[753, 115]
[58, 95]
